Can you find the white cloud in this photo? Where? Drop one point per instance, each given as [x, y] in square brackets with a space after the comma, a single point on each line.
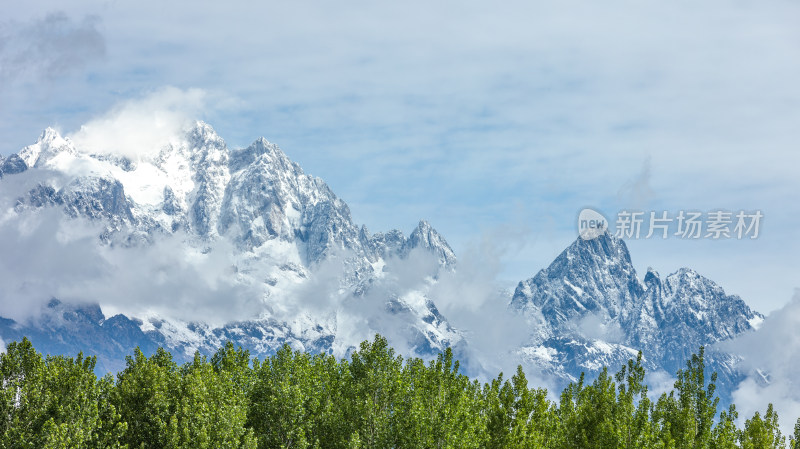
[659, 382]
[598, 327]
[143, 125]
[48, 255]
[772, 359]
[473, 301]
[48, 48]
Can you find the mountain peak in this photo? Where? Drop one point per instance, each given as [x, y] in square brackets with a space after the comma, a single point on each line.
[593, 276]
[202, 132]
[250, 222]
[47, 146]
[592, 285]
[49, 134]
[261, 148]
[652, 277]
[426, 237]
[685, 272]
[605, 246]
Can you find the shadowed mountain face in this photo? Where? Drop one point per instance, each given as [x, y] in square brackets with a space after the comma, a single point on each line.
[590, 309]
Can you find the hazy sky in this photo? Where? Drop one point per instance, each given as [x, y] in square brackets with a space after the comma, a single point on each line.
[495, 122]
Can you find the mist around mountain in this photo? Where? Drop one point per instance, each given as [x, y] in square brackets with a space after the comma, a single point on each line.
[194, 244]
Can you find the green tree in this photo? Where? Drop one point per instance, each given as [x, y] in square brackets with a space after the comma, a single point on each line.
[634, 408]
[436, 406]
[374, 400]
[54, 402]
[589, 414]
[372, 390]
[685, 417]
[519, 417]
[281, 400]
[146, 398]
[762, 433]
[725, 434]
[211, 410]
[794, 442]
[234, 363]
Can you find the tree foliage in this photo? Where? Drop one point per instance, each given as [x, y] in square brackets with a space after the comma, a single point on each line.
[375, 399]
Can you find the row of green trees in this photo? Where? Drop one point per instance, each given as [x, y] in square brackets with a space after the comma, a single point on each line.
[374, 400]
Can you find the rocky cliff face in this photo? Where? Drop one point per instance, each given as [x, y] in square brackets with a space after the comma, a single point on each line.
[590, 309]
[282, 223]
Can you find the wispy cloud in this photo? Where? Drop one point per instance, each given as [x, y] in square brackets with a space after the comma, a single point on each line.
[139, 126]
[772, 359]
[473, 115]
[637, 192]
[47, 256]
[48, 48]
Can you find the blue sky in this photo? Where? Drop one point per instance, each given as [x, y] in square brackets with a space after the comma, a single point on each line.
[494, 122]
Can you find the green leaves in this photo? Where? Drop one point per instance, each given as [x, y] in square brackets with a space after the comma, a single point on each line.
[54, 402]
[374, 400]
[686, 415]
[283, 403]
[762, 433]
[518, 417]
[795, 438]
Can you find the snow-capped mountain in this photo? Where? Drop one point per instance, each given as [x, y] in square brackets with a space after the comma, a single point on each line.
[282, 226]
[591, 310]
[194, 244]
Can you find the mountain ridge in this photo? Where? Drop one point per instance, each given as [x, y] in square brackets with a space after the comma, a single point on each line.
[590, 305]
[290, 237]
[283, 224]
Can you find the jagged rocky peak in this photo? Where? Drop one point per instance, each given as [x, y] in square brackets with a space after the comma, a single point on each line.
[591, 276]
[206, 145]
[12, 165]
[211, 176]
[693, 301]
[426, 237]
[262, 149]
[604, 259]
[387, 244]
[49, 145]
[395, 244]
[197, 184]
[592, 286]
[652, 278]
[198, 147]
[270, 197]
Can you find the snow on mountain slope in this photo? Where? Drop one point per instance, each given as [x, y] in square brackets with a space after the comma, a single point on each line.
[589, 309]
[305, 265]
[196, 243]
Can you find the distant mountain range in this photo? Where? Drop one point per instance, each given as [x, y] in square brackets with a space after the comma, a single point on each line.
[288, 232]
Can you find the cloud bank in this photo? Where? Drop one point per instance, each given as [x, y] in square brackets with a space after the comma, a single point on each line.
[772, 359]
[143, 125]
[49, 255]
